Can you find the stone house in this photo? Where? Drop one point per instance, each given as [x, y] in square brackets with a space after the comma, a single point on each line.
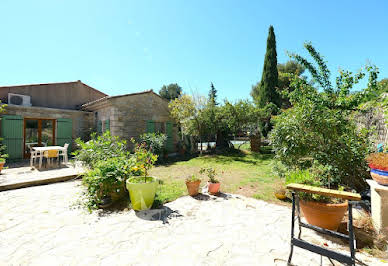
[58, 113]
[130, 115]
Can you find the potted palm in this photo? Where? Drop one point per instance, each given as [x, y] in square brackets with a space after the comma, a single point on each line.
[378, 163]
[141, 187]
[192, 183]
[322, 211]
[213, 186]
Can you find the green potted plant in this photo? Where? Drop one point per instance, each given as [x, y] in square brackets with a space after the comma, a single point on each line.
[378, 163]
[106, 182]
[322, 211]
[213, 186]
[141, 187]
[192, 183]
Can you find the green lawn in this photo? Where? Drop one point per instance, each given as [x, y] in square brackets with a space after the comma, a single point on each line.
[243, 173]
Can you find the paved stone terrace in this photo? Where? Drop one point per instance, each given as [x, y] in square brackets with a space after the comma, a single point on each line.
[39, 226]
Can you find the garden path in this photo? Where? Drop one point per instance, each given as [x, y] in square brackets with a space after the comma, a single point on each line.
[39, 226]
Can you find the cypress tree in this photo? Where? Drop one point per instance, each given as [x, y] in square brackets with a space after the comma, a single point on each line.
[213, 95]
[265, 91]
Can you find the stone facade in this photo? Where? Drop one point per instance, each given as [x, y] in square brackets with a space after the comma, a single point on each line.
[128, 114]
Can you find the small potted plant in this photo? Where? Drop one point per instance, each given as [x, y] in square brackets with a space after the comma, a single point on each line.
[3, 156]
[141, 187]
[213, 186]
[322, 211]
[192, 183]
[378, 163]
[2, 162]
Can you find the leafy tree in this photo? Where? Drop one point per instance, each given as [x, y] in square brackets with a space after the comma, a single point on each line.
[171, 91]
[291, 67]
[286, 71]
[242, 115]
[189, 112]
[265, 91]
[383, 85]
[317, 132]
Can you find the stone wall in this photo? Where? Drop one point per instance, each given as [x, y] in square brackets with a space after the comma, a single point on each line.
[128, 115]
[374, 120]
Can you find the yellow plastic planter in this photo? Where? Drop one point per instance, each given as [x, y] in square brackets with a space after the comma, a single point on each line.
[142, 195]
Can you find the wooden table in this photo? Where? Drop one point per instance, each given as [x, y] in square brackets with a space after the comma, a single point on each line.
[41, 150]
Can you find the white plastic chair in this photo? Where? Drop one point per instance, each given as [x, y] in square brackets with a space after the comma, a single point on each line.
[34, 155]
[63, 153]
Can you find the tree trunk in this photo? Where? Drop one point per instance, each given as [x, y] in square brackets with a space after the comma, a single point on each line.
[255, 142]
[221, 141]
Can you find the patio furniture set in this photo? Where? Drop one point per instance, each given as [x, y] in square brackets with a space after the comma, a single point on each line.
[49, 153]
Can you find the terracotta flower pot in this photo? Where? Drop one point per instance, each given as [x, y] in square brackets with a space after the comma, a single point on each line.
[380, 176]
[213, 188]
[192, 187]
[1, 166]
[325, 215]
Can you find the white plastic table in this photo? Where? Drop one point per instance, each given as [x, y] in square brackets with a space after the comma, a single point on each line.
[41, 150]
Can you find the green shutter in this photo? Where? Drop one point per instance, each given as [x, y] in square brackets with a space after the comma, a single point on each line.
[12, 134]
[170, 140]
[150, 126]
[107, 125]
[64, 132]
[99, 127]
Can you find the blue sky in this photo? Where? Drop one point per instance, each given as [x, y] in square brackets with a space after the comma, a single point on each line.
[128, 46]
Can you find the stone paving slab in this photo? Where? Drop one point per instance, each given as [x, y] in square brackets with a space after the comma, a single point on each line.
[25, 176]
[39, 226]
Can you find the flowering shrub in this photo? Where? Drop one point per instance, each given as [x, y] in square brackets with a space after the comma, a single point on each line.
[145, 160]
[154, 142]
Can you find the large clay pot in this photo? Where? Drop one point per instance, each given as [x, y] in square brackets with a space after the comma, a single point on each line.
[192, 187]
[380, 176]
[325, 215]
[142, 194]
[213, 188]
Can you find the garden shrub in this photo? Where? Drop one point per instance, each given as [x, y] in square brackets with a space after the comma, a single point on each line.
[155, 142]
[107, 179]
[318, 132]
[99, 148]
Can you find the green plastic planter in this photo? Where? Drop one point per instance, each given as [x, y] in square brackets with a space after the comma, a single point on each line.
[142, 194]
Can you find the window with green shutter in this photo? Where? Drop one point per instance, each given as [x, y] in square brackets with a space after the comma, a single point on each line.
[107, 125]
[99, 126]
[170, 139]
[150, 126]
[12, 134]
[64, 132]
